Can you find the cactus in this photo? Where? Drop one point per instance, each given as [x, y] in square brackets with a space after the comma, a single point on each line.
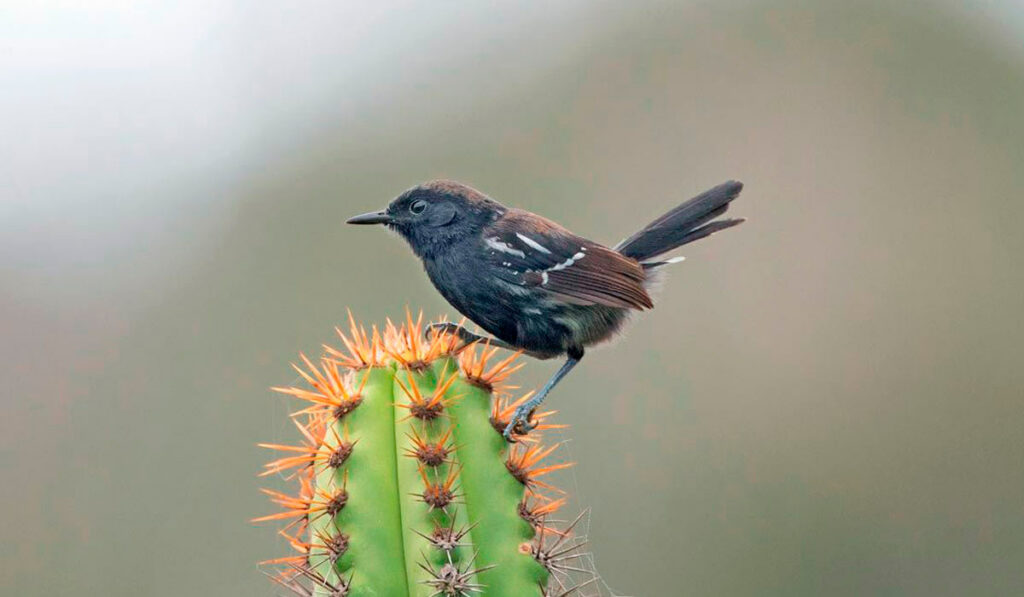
[404, 483]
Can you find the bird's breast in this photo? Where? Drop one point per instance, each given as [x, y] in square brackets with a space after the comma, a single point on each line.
[466, 286]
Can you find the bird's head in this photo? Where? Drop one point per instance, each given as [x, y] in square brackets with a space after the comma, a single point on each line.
[436, 214]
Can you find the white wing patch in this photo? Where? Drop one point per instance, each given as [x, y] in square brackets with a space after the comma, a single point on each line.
[533, 244]
[498, 245]
[568, 262]
[545, 273]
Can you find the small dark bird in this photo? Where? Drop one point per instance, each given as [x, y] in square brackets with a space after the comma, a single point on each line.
[531, 283]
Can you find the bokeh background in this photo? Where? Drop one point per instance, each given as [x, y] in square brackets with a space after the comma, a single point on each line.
[828, 400]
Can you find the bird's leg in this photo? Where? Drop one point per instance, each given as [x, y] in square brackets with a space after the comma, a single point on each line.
[524, 410]
[467, 337]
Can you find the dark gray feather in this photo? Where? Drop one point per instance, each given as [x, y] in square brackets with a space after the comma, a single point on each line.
[684, 224]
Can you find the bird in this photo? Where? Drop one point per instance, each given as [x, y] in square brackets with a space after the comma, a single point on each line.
[533, 285]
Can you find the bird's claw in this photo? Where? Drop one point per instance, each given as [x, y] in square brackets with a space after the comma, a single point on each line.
[520, 423]
[446, 327]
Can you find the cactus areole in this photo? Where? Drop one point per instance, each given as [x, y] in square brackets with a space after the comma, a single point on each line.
[403, 483]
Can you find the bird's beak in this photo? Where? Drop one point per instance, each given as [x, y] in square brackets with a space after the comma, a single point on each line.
[374, 217]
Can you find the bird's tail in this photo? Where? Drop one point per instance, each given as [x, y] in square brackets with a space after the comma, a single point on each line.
[686, 223]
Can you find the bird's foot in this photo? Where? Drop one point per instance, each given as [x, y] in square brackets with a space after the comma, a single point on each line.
[447, 327]
[521, 422]
[467, 337]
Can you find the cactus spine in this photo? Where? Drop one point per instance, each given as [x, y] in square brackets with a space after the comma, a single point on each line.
[405, 484]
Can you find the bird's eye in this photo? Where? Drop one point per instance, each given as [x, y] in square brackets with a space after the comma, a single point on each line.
[418, 206]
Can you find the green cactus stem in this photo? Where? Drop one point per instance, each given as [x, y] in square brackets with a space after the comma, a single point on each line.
[431, 514]
[406, 486]
[493, 496]
[371, 516]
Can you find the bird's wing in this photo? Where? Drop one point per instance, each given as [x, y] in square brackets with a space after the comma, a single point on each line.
[529, 251]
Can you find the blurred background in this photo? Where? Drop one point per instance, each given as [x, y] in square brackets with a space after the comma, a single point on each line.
[828, 400]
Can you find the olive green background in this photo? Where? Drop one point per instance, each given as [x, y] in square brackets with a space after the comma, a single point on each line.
[827, 400]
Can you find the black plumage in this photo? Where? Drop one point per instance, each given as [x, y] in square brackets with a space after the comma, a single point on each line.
[529, 282]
